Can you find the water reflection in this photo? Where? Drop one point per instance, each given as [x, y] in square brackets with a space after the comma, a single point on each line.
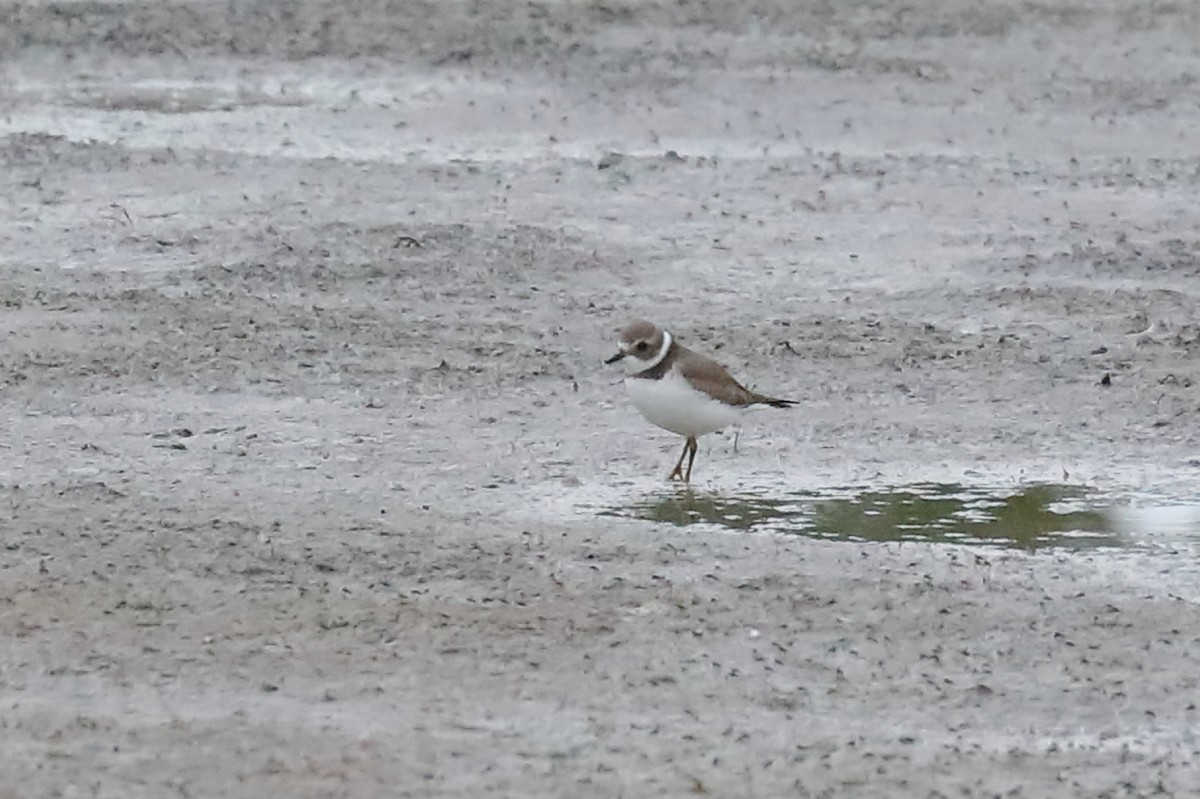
[1044, 515]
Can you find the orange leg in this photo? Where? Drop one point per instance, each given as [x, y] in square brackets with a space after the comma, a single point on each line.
[691, 442]
[677, 472]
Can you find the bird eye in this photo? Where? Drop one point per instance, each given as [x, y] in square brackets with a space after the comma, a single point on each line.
[641, 346]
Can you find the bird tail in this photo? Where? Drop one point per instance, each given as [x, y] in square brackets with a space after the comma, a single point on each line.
[773, 401]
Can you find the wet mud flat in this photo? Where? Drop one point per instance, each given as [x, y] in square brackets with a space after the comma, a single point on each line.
[311, 481]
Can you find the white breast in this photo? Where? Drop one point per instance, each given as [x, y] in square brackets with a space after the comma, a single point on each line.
[672, 404]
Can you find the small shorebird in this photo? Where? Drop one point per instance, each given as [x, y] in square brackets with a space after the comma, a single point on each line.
[680, 390]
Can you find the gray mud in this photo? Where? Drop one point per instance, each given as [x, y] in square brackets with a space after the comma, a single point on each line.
[306, 441]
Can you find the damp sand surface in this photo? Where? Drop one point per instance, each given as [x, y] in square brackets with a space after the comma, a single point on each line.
[312, 483]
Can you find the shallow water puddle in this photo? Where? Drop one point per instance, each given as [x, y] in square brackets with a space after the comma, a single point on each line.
[1029, 517]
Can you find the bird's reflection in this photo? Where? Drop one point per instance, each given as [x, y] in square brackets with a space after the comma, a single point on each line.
[1029, 517]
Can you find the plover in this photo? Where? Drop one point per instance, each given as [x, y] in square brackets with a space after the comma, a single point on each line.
[680, 390]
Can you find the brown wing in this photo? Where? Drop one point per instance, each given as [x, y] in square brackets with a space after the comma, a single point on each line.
[710, 376]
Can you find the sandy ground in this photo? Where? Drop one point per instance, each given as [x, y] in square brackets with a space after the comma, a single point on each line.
[305, 435]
